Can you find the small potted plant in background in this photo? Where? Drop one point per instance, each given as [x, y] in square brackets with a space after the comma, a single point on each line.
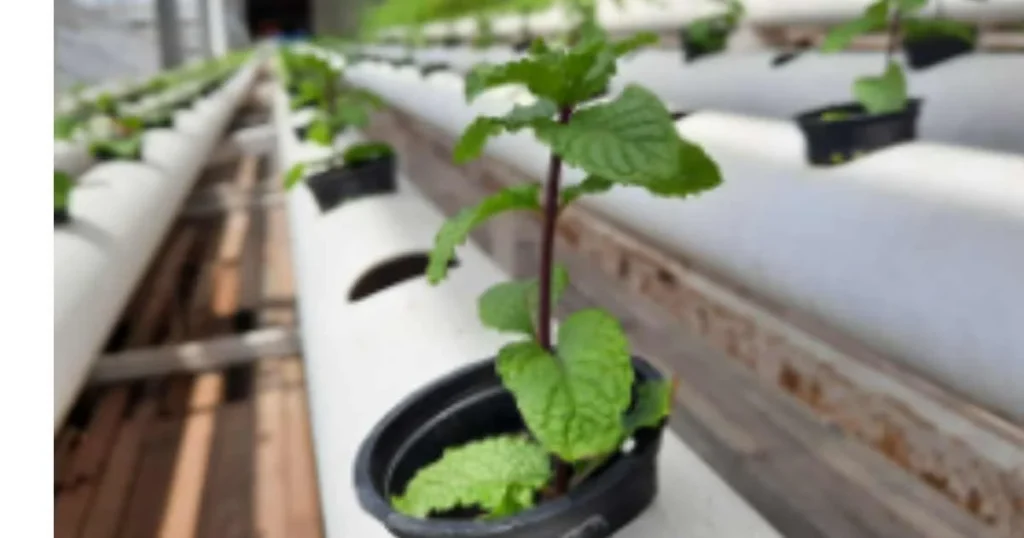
[883, 114]
[484, 32]
[927, 42]
[553, 437]
[362, 169]
[62, 187]
[710, 35]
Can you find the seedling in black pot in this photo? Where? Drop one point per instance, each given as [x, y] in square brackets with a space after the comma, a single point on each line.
[554, 436]
[928, 42]
[362, 170]
[62, 187]
[883, 114]
[710, 35]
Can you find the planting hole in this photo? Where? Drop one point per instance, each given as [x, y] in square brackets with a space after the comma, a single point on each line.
[392, 272]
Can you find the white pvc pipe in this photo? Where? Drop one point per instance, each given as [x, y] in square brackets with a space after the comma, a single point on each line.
[635, 15]
[357, 369]
[967, 101]
[120, 211]
[917, 250]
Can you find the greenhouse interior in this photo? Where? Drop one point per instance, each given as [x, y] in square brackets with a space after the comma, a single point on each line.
[538, 269]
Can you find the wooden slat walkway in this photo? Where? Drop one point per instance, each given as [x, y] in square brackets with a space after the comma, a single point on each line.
[219, 454]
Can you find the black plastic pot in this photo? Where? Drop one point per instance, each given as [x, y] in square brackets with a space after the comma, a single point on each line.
[334, 186]
[300, 131]
[470, 404]
[104, 155]
[836, 141]
[61, 216]
[926, 52]
[680, 114]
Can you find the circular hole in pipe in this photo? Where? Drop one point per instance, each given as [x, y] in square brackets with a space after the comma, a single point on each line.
[390, 273]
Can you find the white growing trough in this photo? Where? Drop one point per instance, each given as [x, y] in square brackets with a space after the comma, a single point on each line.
[968, 101]
[363, 358]
[120, 212]
[632, 15]
[917, 250]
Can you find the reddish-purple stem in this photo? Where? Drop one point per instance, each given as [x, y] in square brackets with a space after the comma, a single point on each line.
[563, 471]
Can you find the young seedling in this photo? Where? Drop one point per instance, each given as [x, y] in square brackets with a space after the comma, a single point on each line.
[124, 143]
[574, 393]
[338, 105]
[710, 34]
[887, 93]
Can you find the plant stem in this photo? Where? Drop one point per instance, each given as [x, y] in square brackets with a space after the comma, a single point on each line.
[894, 28]
[547, 245]
[563, 470]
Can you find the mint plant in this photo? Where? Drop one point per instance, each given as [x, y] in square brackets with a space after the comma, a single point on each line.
[338, 106]
[887, 93]
[711, 34]
[575, 392]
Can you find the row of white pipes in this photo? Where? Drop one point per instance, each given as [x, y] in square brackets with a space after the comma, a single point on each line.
[120, 212]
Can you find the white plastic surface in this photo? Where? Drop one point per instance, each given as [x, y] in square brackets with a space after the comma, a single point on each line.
[917, 250]
[966, 100]
[120, 211]
[671, 14]
[357, 369]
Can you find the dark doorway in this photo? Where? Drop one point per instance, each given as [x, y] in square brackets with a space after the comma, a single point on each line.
[286, 18]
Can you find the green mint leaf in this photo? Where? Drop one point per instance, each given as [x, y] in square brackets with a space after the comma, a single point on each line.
[539, 74]
[474, 138]
[633, 43]
[653, 404]
[909, 6]
[294, 176]
[590, 185]
[883, 94]
[482, 129]
[841, 36]
[573, 404]
[499, 475]
[632, 140]
[320, 132]
[630, 137]
[62, 185]
[877, 11]
[512, 306]
[455, 231]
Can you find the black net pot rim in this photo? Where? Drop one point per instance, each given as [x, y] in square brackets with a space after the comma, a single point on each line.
[858, 116]
[628, 482]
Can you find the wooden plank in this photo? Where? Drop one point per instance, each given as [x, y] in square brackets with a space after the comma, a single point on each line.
[105, 516]
[159, 452]
[63, 456]
[203, 355]
[271, 517]
[181, 515]
[303, 498]
[278, 293]
[72, 505]
[157, 300]
[228, 511]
